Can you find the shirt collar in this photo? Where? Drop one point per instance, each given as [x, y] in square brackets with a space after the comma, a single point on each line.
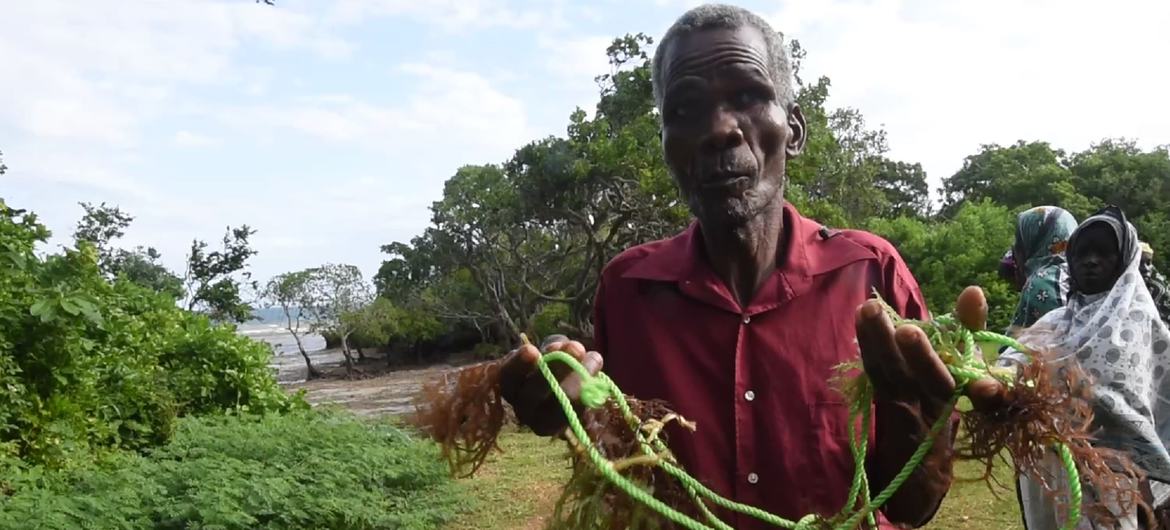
[810, 250]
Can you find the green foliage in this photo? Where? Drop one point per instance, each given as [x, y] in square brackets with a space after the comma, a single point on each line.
[485, 350]
[947, 256]
[289, 292]
[215, 280]
[373, 325]
[100, 226]
[1114, 171]
[301, 470]
[210, 285]
[88, 364]
[141, 266]
[550, 319]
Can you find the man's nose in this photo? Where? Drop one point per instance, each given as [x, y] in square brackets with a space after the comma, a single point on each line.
[725, 131]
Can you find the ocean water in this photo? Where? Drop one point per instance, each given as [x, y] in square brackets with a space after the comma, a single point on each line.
[281, 340]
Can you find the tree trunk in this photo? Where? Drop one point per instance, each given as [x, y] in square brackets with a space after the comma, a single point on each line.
[361, 354]
[310, 372]
[348, 356]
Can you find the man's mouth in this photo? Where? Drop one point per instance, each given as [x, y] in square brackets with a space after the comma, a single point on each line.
[726, 180]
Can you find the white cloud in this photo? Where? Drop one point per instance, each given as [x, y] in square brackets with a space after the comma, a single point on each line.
[89, 171]
[945, 77]
[448, 109]
[190, 139]
[100, 70]
[451, 15]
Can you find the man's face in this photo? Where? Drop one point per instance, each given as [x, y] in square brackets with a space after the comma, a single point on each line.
[725, 134]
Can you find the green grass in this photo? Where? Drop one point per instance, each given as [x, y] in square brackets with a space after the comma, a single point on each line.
[517, 489]
[303, 470]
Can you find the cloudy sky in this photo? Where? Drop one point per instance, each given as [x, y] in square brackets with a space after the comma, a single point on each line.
[331, 126]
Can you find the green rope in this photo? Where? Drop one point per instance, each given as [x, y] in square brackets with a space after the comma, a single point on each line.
[966, 366]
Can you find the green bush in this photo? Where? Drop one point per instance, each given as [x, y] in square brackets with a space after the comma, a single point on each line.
[949, 255]
[548, 320]
[487, 350]
[305, 469]
[87, 364]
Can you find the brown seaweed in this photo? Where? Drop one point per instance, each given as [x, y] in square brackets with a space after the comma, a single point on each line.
[1050, 404]
[464, 412]
[590, 501]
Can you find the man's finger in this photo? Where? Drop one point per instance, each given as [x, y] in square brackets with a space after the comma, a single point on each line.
[593, 362]
[971, 308]
[517, 366]
[574, 348]
[924, 364]
[879, 353]
[549, 340]
[986, 394]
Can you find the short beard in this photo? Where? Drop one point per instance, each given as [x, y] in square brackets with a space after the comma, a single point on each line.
[736, 212]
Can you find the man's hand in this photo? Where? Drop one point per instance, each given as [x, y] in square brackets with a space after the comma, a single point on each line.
[912, 387]
[526, 390]
[904, 367]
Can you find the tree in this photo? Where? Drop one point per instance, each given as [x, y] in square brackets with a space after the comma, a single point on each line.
[290, 292]
[375, 323]
[141, 266]
[1118, 172]
[334, 292]
[100, 226]
[214, 280]
[905, 189]
[948, 255]
[1019, 176]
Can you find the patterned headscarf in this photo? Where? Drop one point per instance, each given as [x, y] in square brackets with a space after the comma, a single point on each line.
[1042, 235]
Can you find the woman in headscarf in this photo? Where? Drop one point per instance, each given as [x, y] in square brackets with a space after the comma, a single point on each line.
[1111, 327]
[1038, 257]
[1155, 282]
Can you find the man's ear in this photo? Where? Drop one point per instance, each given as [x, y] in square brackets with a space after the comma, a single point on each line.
[798, 132]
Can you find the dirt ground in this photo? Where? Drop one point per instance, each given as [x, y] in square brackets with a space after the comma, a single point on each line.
[374, 389]
[389, 393]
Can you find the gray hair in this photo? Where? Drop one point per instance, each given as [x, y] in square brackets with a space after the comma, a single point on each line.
[721, 16]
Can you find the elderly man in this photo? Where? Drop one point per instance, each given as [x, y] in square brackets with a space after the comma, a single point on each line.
[739, 321]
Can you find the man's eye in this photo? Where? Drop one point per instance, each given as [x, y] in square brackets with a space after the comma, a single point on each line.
[681, 110]
[748, 98]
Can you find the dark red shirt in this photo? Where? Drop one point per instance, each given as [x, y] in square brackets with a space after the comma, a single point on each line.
[772, 431]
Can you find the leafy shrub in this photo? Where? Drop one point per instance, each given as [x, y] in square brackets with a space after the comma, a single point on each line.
[949, 255]
[549, 320]
[86, 363]
[487, 350]
[305, 469]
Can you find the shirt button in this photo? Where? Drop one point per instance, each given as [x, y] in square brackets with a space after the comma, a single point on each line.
[749, 395]
[753, 478]
[746, 319]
